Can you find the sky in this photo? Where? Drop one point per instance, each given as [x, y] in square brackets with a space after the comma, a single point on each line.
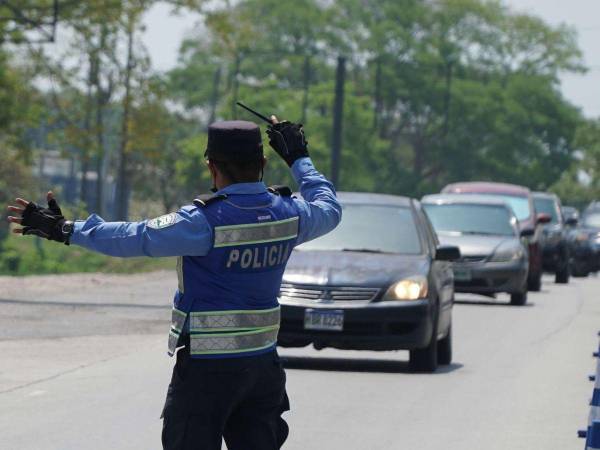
[165, 32]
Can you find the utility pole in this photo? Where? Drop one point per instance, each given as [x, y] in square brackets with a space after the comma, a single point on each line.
[338, 116]
[214, 98]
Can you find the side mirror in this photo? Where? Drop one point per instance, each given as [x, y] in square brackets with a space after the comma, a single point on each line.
[543, 219]
[447, 253]
[572, 221]
[527, 232]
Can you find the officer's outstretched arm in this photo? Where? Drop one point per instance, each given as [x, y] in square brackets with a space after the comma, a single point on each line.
[185, 232]
[319, 210]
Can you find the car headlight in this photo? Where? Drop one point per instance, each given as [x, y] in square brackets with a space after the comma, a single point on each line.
[506, 253]
[412, 288]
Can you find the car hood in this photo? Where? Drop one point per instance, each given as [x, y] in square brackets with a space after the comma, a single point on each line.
[352, 268]
[475, 245]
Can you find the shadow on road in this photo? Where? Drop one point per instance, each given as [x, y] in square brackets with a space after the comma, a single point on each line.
[506, 304]
[355, 365]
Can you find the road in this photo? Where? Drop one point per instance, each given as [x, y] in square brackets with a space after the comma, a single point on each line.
[83, 366]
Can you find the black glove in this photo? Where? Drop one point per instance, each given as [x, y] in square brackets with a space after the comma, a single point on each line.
[46, 222]
[288, 140]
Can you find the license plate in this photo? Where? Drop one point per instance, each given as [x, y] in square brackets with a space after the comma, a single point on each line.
[462, 274]
[324, 320]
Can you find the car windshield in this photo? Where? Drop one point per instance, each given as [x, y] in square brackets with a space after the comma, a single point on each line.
[546, 206]
[467, 218]
[592, 220]
[519, 205]
[371, 228]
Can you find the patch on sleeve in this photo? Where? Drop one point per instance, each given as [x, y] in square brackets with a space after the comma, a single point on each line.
[163, 221]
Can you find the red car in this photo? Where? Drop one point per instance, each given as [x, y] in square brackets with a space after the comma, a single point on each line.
[519, 198]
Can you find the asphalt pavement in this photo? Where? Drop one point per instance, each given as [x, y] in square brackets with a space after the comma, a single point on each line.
[83, 366]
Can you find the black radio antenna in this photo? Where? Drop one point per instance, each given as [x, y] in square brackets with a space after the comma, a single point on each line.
[257, 114]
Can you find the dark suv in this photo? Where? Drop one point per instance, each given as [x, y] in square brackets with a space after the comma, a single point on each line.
[555, 236]
[580, 245]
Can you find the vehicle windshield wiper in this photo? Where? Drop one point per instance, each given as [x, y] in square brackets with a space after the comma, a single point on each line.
[363, 250]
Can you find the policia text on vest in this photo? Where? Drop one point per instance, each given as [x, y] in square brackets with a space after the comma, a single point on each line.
[232, 248]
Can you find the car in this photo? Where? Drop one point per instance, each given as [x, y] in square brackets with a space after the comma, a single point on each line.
[571, 215]
[590, 228]
[580, 247]
[555, 237]
[379, 281]
[485, 229]
[519, 198]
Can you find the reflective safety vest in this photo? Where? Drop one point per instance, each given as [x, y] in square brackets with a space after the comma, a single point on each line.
[226, 303]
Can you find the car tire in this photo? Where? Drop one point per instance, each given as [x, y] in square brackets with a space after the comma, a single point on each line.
[534, 284]
[426, 359]
[444, 349]
[562, 276]
[518, 298]
[580, 269]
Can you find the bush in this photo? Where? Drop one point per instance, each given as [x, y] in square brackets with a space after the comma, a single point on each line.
[32, 255]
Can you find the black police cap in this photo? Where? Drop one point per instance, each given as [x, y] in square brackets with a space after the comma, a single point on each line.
[234, 141]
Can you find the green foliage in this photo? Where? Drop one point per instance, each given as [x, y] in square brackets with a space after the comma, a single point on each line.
[581, 183]
[440, 92]
[31, 255]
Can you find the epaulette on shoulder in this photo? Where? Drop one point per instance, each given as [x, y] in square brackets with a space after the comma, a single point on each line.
[202, 201]
[281, 190]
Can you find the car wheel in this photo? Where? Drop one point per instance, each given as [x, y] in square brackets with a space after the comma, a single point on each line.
[562, 276]
[580, 269]
[444, 349]
[426, 359]
[518, 298]
[534, 284]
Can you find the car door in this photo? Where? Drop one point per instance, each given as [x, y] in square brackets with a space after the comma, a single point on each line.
[441, 271]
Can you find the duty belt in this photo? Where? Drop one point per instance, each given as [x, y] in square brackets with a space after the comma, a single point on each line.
[225, 332]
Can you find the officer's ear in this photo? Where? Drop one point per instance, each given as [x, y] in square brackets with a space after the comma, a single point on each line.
[264, 162]
[211, 167]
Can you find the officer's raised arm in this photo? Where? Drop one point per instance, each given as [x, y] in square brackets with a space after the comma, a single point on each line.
[319, 209]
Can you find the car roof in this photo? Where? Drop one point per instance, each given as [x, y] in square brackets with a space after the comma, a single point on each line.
[461, 198]
[373, 199]
[485, 187]
[593, 206]
[538, 194]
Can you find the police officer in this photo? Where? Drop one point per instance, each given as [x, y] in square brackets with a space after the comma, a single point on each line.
[232, 249]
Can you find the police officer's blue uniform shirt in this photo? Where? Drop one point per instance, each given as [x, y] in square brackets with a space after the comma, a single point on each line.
[227, 301]
[190, 234]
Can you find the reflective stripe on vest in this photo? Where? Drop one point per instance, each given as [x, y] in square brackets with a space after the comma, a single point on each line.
[226, 331]
[177, 320]
[259, 233]
[240, 342]
[210, 321]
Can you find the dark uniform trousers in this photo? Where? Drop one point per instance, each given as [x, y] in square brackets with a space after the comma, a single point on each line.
[238, 399]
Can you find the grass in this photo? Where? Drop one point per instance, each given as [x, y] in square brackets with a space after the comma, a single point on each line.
[32, 255]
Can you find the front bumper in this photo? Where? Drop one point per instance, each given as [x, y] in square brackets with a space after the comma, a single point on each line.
[553, 257]
[386, 325]
[491, 277]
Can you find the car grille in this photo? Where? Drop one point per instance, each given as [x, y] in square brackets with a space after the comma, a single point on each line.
[473, 258]
[336, 294]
